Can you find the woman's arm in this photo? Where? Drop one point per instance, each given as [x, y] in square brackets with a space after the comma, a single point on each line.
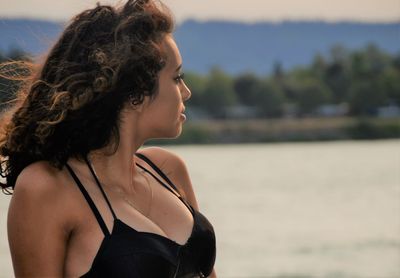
[37, 230]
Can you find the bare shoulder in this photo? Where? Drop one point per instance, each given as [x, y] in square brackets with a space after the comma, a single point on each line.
[38, 179]
[39, 187]
[163, 158]
[38, 226]
[175, 168]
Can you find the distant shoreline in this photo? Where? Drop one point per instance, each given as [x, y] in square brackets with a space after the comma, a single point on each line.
[285, 130]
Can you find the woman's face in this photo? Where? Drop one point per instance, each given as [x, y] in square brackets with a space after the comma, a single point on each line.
[163, 115]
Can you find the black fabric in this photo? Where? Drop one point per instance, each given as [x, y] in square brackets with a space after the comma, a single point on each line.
[96, 213]
[101, 188]
[126, 252]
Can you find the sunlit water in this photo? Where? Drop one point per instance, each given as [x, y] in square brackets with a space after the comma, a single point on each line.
[294, 210]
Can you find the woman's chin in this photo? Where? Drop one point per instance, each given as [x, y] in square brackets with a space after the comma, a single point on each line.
[171, 134]
[178, 133]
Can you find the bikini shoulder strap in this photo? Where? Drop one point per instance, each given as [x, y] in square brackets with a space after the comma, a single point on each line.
[89, 200]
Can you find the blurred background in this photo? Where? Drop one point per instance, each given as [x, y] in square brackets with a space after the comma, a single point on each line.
[293, 131]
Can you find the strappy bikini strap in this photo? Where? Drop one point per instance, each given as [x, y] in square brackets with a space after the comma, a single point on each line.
[89, 201]
[169, 189]
[158, 170]
[165, 177]
[99, 185]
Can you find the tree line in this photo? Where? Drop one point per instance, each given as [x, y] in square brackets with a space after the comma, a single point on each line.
[363, 79]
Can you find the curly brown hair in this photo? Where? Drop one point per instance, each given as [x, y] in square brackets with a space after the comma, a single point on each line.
[70, 105]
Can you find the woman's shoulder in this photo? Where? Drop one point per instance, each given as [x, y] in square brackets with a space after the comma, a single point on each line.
[170, 163]
[39, 221]
[41, 177]
[42, 188]
[38, 177]
[162, 157]
[174, 166]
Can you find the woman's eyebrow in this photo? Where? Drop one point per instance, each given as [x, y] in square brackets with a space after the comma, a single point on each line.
[179, 67]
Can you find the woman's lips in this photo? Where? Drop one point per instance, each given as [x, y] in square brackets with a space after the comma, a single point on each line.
[183, 116]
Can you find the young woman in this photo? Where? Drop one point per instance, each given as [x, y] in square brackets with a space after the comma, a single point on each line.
[86, 201]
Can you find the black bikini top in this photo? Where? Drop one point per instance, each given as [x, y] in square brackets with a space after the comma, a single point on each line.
[126, 252]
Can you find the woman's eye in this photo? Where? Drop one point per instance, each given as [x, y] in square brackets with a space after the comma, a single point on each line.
[179, 78]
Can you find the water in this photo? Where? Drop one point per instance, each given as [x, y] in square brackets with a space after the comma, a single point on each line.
[328, 209]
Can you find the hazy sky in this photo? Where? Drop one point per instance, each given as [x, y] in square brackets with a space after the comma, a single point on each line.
[248, 10]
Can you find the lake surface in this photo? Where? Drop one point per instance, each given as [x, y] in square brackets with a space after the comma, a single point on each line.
[329, 209]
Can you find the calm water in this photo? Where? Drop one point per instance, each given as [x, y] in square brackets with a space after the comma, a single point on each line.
[294, 210]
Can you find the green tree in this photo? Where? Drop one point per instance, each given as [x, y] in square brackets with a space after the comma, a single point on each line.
[246, 87]
[365, 97]
[389, 85]
[374, 81]
[271, 99]
[319, 66]
[17, 54]
[337, 73]
[292, 80]
[396, 61]
[369, 62]
[196, 84]
[312, 94]
[218, 94]
[277, 73]
[2, 57]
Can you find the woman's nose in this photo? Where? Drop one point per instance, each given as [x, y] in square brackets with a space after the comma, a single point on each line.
[186, 94]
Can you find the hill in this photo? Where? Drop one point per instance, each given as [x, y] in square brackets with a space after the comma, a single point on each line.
[235, 47]
[240, 47]
[33, 36]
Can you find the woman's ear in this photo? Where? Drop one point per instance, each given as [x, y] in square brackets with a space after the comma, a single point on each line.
[139, 107]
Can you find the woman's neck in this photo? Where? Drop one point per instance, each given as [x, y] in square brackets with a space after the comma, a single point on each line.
[119, 167]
